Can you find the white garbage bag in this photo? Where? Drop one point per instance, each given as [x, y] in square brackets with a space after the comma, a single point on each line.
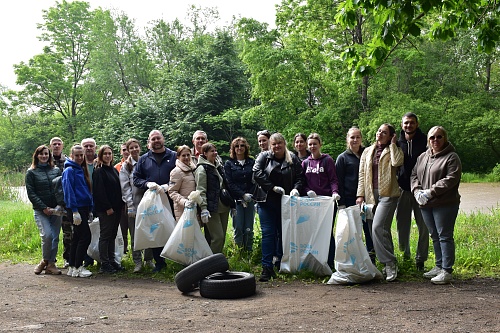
[154, 221]
[352, 262]
[93, 249]
[187, 244]
[306, 232]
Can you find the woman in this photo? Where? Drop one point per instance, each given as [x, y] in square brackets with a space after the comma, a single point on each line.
[108, 206]
[300, 144]
[378, 185]
[263, 140]
[238, 170]
[278, 172]
[209, 177]
[182, 181]
[434, 182]
[321, 179]
[78, 198]
[42, 196]
[132, 196]
[347, 167]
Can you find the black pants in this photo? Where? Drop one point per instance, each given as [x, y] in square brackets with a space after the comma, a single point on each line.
[81, 238]
[108, 230]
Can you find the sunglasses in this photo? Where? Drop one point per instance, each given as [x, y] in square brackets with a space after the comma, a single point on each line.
[239, 146]
[437, 137]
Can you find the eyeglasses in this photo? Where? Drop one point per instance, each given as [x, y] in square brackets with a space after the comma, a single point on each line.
[239, 146]
[437, 137]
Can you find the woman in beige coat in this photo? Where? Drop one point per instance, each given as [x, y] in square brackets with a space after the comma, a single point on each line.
[381, 159]
[182, 181]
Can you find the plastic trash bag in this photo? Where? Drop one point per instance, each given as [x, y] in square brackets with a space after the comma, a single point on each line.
[154, 221]
[93, 250]
[187, 244]
[352, 262]
[306, 229]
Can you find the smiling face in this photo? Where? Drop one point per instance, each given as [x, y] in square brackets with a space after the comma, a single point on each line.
[135, 150]
[124, 152]
[300, 144]
[211, 155]
[314, 147]
[78, 156]
[409, 125]
[89, 147]
[278, 148]
[240, 149]
[56, 146]
[185, 156]
[383, 135]
[354, 139]
[107, 156]
[156, 141]
[43, 156]
[437, 140]
[198, 141]
[263, 142]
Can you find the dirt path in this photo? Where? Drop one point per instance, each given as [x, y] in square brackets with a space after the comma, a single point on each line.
[33, 303]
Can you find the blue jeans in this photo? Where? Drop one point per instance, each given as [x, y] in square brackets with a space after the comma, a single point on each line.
[441, 224]
[243, 226]
[49, 227]
[270, 223]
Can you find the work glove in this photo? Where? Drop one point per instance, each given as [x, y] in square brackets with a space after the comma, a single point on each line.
[189, 204]
[77, 219]
[131, 212]
[164, 188]
[421, 197]
[336, 196]
[205, 215]
[294, 193]
[91, 217]
[311, 194]
[153, 186]
[279, 190]
[247, 197]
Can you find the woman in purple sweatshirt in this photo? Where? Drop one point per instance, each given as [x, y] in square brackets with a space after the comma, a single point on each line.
[321, 179]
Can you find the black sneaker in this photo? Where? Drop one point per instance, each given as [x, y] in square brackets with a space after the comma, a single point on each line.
[107, 269]
[117, 266]
[420, 266]
[267, 274]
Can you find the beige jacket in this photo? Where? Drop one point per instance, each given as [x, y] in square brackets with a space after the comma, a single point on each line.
[391, 157]
[181, 184]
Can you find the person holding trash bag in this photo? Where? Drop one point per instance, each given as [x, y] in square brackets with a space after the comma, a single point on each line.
[77, 188]
[182, 181]
[321, 179]
[209, 176]
[238, 170]
[278, 172]
[434, 182]
[378, 185]
[347, 168]
[108, 204]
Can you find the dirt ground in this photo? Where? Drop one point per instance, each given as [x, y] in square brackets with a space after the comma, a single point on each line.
[31, 303]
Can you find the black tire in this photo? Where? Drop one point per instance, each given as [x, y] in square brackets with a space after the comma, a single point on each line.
[188, 278]
[228, 285]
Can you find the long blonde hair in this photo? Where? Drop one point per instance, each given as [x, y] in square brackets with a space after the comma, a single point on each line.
[278, 137]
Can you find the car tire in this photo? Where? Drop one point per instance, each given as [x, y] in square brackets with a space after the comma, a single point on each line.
[228, 285]
[188, 278]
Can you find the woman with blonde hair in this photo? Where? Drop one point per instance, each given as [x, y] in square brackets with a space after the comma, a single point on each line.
[182, 181]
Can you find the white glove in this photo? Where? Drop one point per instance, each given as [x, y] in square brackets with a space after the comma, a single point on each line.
[336, 196]
[428, 194]
[421, 198]
[247, 197]
[164, 188]
[294, 193]
[279, 190]
[91, 217]
[205, 215]
[189, 204]
[153, 186]
[131, 212]
[311, 194]
[77, 219]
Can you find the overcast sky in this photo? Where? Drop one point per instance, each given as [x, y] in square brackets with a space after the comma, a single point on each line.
[19, 18]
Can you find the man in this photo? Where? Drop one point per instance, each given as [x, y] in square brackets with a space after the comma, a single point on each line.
[153, 171]
[124, 218]
[413, 142]
[89, 148]
[199, 138]
[56, 146]
[125, 154]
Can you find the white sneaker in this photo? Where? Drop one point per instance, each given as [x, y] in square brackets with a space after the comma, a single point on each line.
[70, 271]
[81, 272]
[432, 273]
[391, 271]
[443, 278]
[66, 264]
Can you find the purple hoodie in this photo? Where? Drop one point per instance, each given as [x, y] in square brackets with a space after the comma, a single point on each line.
[320, 175]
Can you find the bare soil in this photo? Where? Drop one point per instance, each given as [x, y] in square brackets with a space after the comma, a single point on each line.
[31, 303]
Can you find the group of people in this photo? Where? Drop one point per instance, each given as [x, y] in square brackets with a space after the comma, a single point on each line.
[416, 174]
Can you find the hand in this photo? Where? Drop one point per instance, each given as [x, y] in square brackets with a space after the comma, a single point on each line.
[110, 212]
[279, 190]
[189, 204]
[152, 186]
[205, 215]
[77, 219]
[294, 193]
[394, 138]
[336, 196]
[48, 211]
[247, 197]
[359, 201]
[428, 194]
[91, 217]
[131, 212]
[311, 194]
[421, 198]
[164, 188]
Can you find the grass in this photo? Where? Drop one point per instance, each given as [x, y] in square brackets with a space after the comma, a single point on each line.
[477, 238]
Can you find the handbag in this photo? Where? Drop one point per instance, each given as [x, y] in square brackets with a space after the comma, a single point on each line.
[258, 194]
[227, 199]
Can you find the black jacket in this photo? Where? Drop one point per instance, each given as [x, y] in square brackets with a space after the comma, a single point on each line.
[418, 146]
[39, 186]
[106, 189]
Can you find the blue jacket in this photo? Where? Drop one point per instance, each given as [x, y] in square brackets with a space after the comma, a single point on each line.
[239, 177]
[76, 191]
[147, 170]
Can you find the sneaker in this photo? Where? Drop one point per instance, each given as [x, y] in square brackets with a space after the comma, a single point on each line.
[70, 271]
[66, 264]
[159, 267]
[150, 264]
[420, 266]
[81, 272]
[442, 278]
[52, 269]
[40, 267]
[267, 274]
[117, 266]
[107, 269]
[138, 267]
[432, 273]
[391, 271]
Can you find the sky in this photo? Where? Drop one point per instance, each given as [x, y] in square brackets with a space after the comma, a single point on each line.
[19, 19]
